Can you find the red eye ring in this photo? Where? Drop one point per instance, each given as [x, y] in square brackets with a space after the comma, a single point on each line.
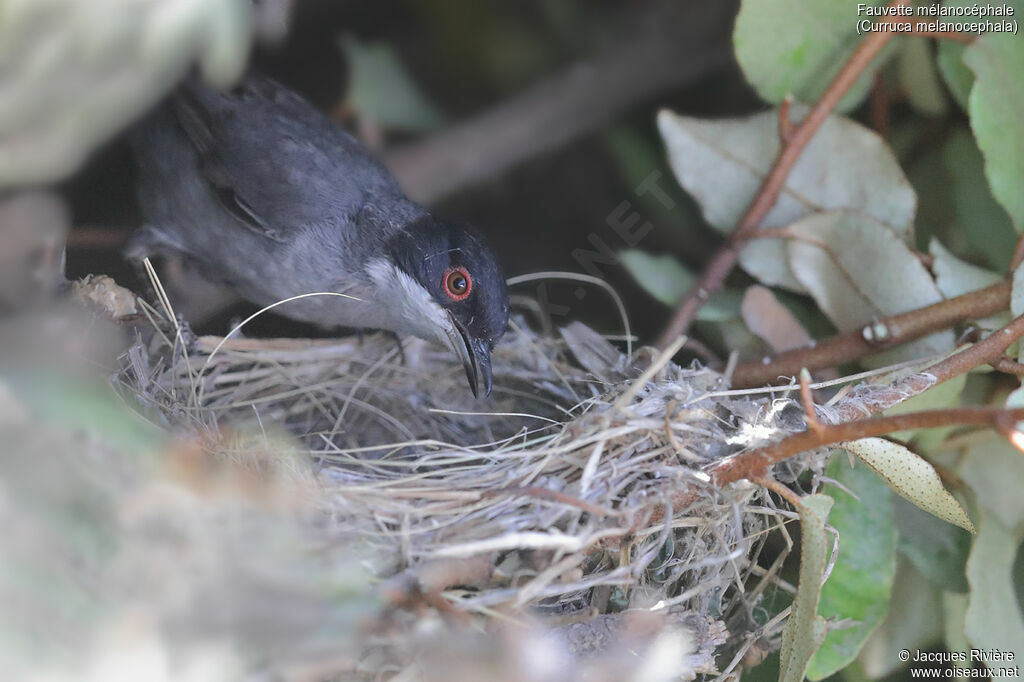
[457, 283]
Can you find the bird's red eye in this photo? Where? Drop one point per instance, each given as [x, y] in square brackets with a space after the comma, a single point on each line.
[457, 283]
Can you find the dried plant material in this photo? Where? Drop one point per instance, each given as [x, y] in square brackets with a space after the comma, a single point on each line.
[101, 291]
[563, 496]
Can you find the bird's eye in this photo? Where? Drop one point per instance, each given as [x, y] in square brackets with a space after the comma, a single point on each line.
[457, 283]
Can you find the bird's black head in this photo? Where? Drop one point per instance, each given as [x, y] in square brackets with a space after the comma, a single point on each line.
[458, 270]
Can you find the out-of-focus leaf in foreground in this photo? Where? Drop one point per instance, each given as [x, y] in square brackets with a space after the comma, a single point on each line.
[859, 585]
[76, 73]
[791, 47]
[722, 164]
[127, 555]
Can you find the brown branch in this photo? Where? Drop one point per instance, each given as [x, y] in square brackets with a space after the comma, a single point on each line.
[753, 464]
[673, 45]
[1018, 254]
[854, 345]
[713, 277]
[985, 352]
[1008, 366]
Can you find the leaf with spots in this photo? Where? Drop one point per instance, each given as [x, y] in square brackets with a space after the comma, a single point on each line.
[910, 476]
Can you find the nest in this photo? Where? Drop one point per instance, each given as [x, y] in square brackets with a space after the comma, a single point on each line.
[574, 495]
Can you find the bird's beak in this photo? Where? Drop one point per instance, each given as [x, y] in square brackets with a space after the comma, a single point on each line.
[475, 357]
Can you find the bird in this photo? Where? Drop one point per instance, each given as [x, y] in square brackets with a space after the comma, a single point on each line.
[265, 194]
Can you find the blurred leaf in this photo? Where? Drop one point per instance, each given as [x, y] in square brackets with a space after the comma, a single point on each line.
[919, 78]
[805, 629]
[795, 47]
[381, 89]
[954, 612]
[995, 103]
[914, 622]
[864, 271]
[76, 73]
[861, 579]
[771, 321]
[664, 278]
[910, 476]
[979, 217]
[958, 77]
[722, 164]
[938, 550]
[993, 619]
[994, 469]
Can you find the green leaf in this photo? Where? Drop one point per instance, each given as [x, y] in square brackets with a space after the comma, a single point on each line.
[937, 549]
[993, 619]
[979, 218]
[958, 77]
[664, 278]
[805, 629]
[381, 89]
[857, 269]
[722, 164]
[861, 579]
[919, 78]
[795, 47]
[995, 106]
[910, 476]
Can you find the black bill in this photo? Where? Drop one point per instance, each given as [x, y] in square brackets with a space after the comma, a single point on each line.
[475, 356]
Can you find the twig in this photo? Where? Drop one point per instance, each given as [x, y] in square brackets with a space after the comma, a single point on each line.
[753, 464]
[673, 46]
[807, 400]
[713, 277]
[785, 125]
[1008, 366]
[1018, 254]
[780, 490]
[856, 344]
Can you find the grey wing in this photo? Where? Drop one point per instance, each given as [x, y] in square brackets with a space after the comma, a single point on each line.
[274, 162]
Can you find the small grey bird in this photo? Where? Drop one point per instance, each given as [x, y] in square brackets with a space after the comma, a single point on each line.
[267, 195]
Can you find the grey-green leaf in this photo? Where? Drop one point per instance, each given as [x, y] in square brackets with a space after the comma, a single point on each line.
[722, 164]
[993, 619]
[856, 269]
